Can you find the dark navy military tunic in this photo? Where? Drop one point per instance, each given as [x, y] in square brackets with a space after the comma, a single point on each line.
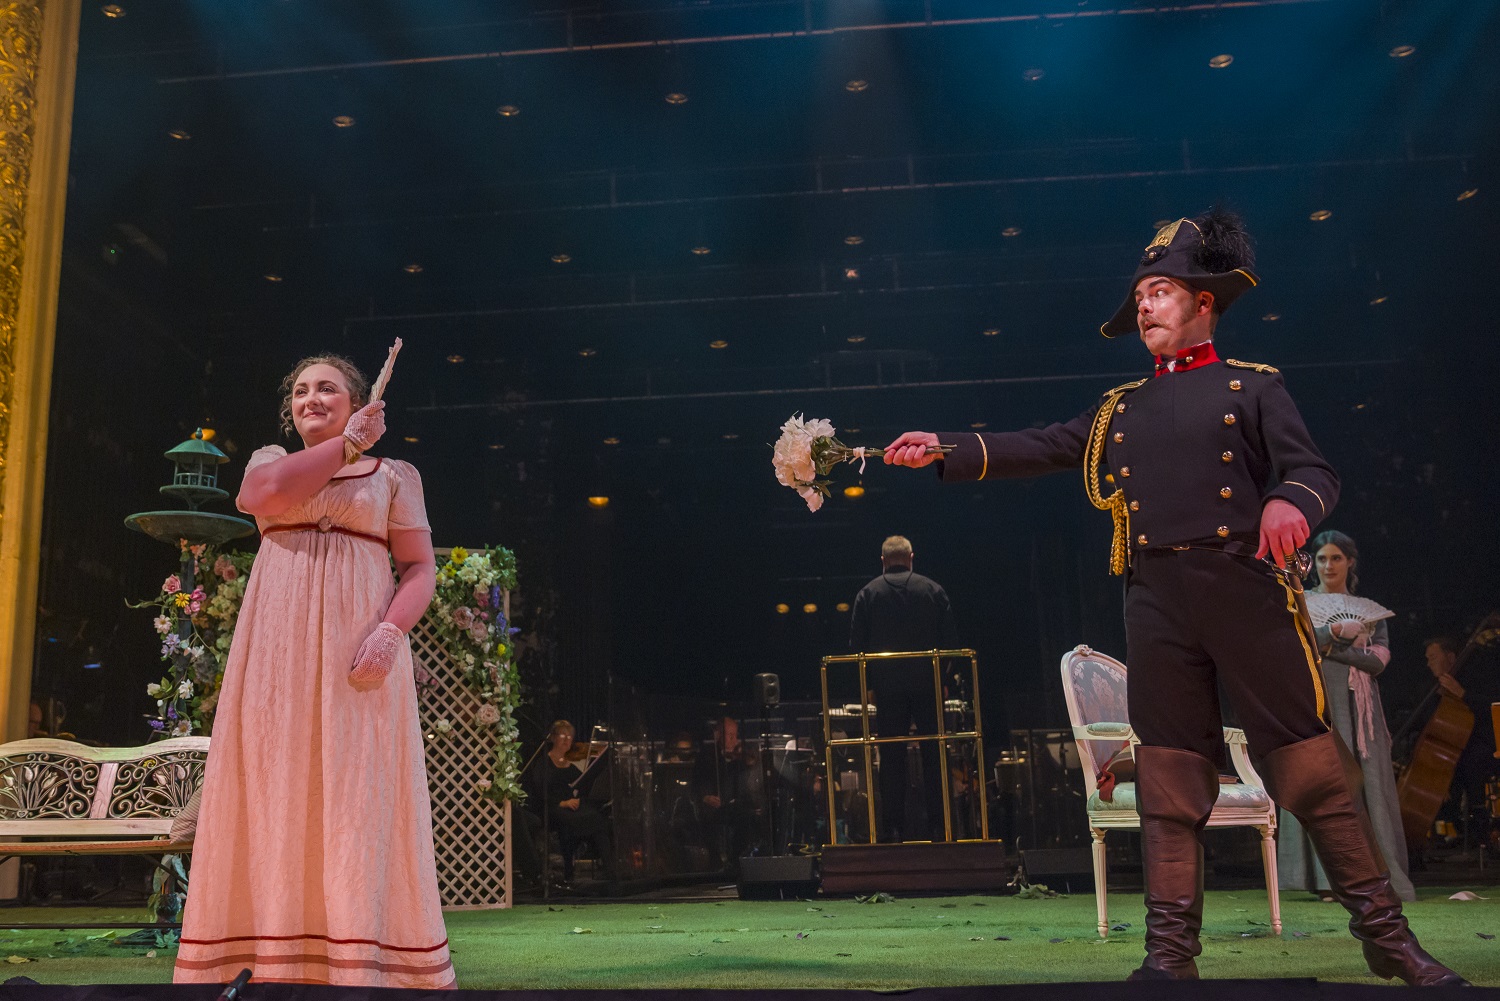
[1198, 453]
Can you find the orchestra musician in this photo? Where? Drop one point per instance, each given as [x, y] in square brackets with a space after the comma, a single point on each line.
[725, 789]
[554, 785]
[1476, 681]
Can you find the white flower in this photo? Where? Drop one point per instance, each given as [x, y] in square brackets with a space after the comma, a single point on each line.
[442, 726]
[163, 624]
[183, 728]
[792, 455]
[185, 690]
[156, 691]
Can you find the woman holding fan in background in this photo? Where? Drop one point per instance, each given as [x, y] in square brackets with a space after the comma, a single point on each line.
[1355, 645]
[314, 858]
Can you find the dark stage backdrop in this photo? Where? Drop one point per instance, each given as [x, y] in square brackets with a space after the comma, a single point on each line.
[933, 250]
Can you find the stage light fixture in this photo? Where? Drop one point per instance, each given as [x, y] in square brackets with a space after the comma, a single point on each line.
[1378, 300]
[411, 439]
[455, 359]
[587, 352]
[810, 608]
[1032, 74]
[976, 425]
[857, 86]
[1402, 51]
[1321, 215]
[343, 121]
[496, 447]
[701, 251]
[507, 111]
[1464, 196]
[180, 134]
[413, 268]
[854, 490]
[1011, 231]
[855, 338]
[598, 500]
[113, 10]
[991, 331]
[853, 430]
[1221, 60]
[782, 608]
[271, 277]
[729, 436]
[1271, 317]
[561, 258]
[677, 97]
[851, 274]
[718, 345]
[611, 440]
[853, 240]
[842, 606]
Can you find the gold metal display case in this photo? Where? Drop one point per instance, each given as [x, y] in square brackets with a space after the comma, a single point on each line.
[868, 741]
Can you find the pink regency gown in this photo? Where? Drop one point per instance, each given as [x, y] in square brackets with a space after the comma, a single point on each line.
[313, 860]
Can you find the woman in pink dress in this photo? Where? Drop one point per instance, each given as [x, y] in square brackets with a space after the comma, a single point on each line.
[313, 860]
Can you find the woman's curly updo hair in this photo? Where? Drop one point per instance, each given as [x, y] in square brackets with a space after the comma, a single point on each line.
[359, 386]
[1347, 546]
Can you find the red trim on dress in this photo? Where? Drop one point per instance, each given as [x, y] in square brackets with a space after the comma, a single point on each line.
[321, 938]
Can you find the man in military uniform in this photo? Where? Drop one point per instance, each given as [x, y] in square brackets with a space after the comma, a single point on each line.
[1214, 469]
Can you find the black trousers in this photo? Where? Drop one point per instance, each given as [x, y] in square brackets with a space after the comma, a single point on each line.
[897, 708]
[1197, 621]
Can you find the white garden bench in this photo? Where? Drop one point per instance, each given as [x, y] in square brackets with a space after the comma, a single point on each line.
[58, 797]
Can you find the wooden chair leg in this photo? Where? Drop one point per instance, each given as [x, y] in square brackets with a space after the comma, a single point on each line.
[1273, 886]
[1101, 881]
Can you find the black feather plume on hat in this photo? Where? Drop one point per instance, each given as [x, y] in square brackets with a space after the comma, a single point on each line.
[1226, 244]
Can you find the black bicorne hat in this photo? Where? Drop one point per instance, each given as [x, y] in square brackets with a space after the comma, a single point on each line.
[1211, 253]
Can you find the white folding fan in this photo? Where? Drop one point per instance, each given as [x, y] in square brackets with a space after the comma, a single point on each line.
[1327, 609]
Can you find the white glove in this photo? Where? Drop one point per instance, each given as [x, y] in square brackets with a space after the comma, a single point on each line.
[377, 654]
[366, 425]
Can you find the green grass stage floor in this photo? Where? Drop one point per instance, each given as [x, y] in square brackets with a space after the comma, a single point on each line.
[824, 943]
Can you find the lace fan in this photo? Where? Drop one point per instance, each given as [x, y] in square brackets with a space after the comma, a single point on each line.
[1327, 609]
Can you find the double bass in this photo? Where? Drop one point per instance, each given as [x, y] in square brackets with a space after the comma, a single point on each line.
[1427, 777]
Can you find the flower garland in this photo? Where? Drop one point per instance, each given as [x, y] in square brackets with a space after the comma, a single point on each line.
[196, 628]
[468, 616]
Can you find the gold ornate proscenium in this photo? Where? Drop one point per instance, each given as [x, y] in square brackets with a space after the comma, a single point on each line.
[867, 741]
[20, 42]
[38, 59]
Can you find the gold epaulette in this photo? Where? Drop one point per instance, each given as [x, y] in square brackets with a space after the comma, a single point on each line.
[1257, 366]
[1127, 387]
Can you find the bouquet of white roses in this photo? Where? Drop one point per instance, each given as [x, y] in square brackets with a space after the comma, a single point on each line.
[807, 449]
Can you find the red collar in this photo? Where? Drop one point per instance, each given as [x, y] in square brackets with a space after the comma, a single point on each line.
[1188, 359]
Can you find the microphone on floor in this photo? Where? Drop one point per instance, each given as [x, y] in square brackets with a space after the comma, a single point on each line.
[232, 992]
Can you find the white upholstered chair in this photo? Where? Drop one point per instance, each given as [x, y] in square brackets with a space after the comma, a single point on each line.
[1094, 685]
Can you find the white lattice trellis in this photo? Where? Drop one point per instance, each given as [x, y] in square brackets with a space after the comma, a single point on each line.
[469, 831]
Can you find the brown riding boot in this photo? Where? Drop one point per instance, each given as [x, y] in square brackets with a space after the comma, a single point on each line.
[1175, 791]
[1319, 782]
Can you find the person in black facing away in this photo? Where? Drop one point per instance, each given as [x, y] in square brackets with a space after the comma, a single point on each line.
[575, 819]
[725, 789]
[1214, 469]
[901, 611]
